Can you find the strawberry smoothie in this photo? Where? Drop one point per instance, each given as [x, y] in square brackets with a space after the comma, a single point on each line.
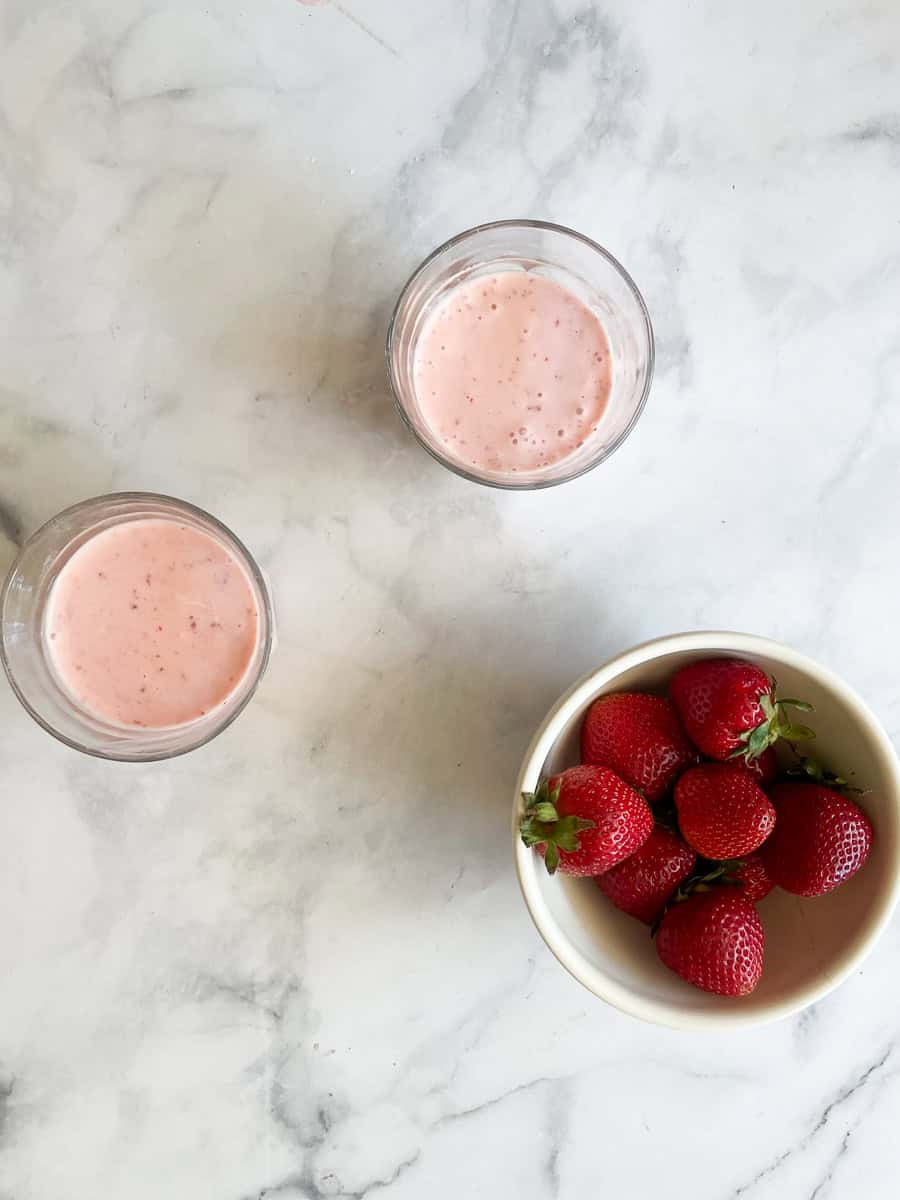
[151, 623]
[512, 372]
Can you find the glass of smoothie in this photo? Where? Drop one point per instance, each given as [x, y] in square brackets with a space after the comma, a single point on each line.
[135, 626]
[520, 354]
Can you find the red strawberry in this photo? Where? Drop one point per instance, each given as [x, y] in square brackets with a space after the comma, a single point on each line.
[722, 813]
[715, 941]
[585, 820]
[763, 768]
[821, 838]
[728, 708]
[643, 883]
[640, 738]
[751, 873]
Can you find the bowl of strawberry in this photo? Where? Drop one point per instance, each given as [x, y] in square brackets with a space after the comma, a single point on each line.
[707, 830]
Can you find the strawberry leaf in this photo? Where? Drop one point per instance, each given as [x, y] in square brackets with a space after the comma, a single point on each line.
[809, 768]
[566, 831]
[544, 811]
[798, 733]
[759, 740]
[541, 825]
[776, 724]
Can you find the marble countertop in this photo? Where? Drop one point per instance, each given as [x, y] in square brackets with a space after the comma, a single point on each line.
[295, 963]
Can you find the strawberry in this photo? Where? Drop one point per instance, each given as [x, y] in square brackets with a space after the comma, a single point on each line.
[728, 708]
[763, 768]
[715, 941]
[640, 738]
[753, 877]
[642, 883]
[585, 820]
[821, 838]
[722, 812]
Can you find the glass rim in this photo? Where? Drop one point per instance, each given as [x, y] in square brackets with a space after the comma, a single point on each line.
[551, 227]
[249, 563]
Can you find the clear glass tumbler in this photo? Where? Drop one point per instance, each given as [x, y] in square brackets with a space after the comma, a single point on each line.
[23, 607]
[574, 262]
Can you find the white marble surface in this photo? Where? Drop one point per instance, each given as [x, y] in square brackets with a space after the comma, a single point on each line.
[295, 964]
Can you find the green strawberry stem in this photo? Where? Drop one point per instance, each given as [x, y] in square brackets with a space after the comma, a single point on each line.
[541, 825]
[707, 874]
[810, 768]
[777, 724]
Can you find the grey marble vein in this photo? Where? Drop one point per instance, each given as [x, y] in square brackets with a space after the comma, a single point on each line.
[845, 1094]
[825, 1182]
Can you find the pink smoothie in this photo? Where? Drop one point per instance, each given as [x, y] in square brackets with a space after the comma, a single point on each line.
[512, 372]
[151, 623]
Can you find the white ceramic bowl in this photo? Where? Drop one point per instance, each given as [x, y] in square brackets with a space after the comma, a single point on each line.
[811, 945]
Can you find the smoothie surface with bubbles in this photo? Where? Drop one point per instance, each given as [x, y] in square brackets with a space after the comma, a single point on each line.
[151, 623]
[512, 372]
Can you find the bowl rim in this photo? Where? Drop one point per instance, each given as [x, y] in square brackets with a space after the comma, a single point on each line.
[594, 979]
